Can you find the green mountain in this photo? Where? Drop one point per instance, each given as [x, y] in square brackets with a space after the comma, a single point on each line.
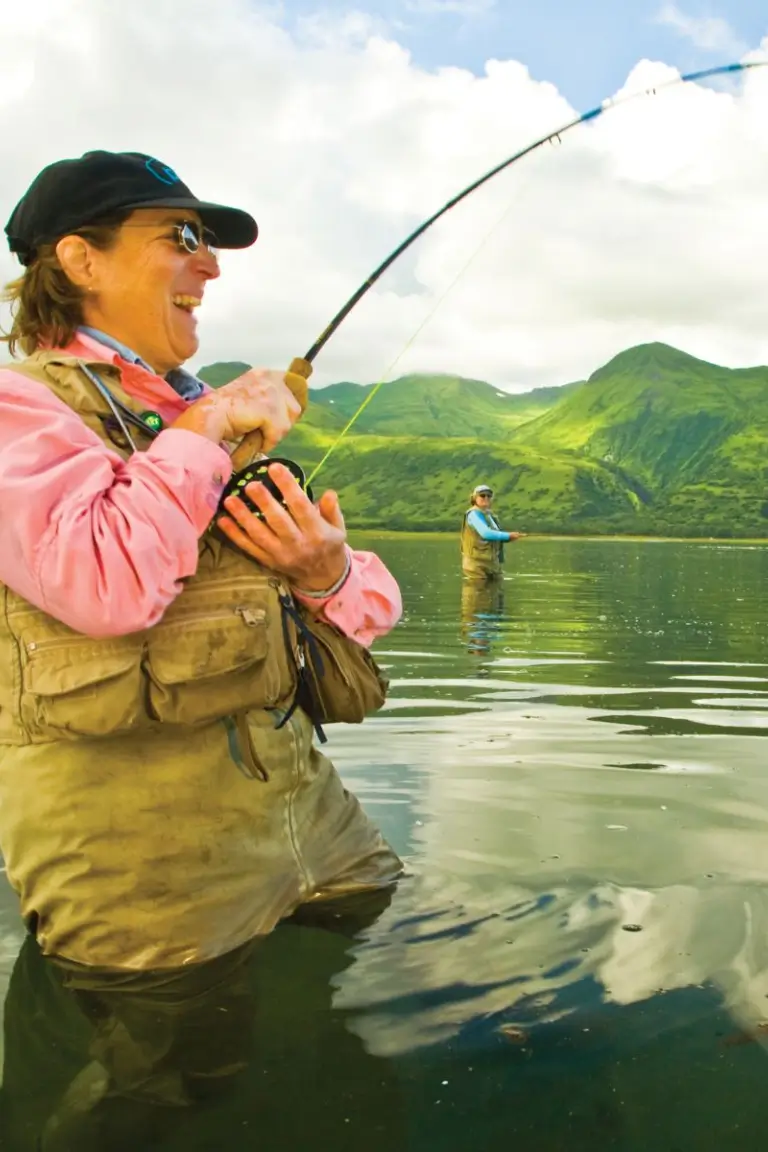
[436, 406]
[656, 411]
[688, 437]
[223, 372]
[421, 404]
[655, 441]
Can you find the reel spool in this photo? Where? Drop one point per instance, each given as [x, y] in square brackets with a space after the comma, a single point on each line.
[257, 473]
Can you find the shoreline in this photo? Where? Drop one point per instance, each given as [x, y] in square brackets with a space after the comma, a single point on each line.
[394, 534]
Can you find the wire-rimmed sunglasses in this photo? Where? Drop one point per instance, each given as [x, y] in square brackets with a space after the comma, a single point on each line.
[190, 235]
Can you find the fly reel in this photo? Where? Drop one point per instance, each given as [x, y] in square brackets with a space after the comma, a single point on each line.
[258, 473]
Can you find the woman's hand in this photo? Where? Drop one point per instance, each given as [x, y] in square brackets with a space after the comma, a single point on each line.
[259, 400]
[304, 542]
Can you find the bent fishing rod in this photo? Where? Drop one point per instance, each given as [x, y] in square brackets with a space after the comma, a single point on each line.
[302, 366]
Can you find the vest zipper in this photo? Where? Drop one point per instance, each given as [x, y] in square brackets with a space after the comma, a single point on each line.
[251, 617]
[283, 590]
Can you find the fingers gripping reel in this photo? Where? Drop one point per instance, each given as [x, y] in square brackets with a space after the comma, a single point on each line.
[256, 473]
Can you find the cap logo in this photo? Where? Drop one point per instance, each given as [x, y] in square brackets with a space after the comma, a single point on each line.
[162, 172]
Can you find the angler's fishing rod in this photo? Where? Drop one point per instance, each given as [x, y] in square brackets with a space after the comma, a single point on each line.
[302, 366]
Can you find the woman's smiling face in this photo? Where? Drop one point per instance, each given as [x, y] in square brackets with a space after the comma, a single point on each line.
[143, 290]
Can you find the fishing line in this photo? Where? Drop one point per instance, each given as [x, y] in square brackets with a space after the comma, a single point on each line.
[412, 339]
[302, 366]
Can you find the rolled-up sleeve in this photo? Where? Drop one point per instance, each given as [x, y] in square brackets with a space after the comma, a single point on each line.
[100, 543]
[368, 605]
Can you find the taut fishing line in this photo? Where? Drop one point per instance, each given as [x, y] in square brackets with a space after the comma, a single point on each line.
[302, 366]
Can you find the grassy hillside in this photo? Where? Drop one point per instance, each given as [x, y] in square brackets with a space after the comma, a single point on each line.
[657, 412]
[437, 406]
[407, 482]
[421, 405]
[222, 372]
[655, 441]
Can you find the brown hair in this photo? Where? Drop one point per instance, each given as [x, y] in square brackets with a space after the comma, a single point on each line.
[45, 305]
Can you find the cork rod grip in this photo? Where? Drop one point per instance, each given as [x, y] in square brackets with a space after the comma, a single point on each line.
[296, 379]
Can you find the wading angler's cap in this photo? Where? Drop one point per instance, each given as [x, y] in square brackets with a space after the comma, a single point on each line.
[70, 194]
[483, 490]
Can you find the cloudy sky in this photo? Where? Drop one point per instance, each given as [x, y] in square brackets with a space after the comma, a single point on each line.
[340, 127]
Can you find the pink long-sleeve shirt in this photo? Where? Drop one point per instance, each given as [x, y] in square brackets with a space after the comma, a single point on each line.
[101, 543]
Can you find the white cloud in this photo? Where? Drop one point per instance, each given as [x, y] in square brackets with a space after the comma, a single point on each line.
[467, 8]
[647, 224]
[709, 33]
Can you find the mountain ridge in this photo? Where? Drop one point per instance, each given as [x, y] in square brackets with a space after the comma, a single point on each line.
[654, 441]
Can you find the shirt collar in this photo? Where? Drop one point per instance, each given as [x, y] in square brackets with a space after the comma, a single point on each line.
[183, 383]
[109, 342]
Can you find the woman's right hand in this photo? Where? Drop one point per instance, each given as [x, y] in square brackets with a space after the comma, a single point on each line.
[258, 401]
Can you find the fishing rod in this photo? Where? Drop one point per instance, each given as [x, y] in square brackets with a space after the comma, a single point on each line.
[302, 366]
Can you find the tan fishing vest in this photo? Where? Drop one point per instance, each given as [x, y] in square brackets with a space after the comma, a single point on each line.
[219, 650]
[479, 557]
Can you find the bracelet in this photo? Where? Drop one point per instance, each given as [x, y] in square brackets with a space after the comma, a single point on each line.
[333, 589]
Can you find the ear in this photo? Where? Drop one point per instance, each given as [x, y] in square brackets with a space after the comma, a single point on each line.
[76, 258]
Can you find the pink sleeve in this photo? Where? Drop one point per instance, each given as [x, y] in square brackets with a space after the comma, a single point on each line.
[369, 604]
[99, 543]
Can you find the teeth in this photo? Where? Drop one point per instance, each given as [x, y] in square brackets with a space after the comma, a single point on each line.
[187, 302]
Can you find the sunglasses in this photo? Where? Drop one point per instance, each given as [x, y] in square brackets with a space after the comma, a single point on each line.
[190, 236]
[485, 495]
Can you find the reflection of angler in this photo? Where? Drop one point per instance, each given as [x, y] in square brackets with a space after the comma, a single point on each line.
[482, 610]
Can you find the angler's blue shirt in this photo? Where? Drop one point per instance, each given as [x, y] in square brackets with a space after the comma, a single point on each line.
[477, 521]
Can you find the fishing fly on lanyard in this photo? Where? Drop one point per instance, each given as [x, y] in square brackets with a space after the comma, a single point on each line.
[302, 366]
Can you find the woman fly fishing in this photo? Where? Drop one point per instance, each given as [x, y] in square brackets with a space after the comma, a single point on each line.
[163, 663]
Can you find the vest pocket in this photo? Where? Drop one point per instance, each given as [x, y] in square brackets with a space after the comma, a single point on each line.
[202, 668]
[74, 688]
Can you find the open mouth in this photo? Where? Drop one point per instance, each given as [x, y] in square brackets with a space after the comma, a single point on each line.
[186, 303]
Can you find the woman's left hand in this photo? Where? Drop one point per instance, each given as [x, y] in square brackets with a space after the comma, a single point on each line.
[304, 542]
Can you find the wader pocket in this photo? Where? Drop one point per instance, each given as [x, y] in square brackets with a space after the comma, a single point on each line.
[205, 667]
[81, 687]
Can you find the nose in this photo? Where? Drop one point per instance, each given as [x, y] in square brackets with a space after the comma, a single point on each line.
[207, 263]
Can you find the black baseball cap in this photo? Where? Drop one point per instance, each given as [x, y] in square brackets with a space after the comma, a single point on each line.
[70, 194]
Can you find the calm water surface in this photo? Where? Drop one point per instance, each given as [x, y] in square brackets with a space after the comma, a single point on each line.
[574, 768]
